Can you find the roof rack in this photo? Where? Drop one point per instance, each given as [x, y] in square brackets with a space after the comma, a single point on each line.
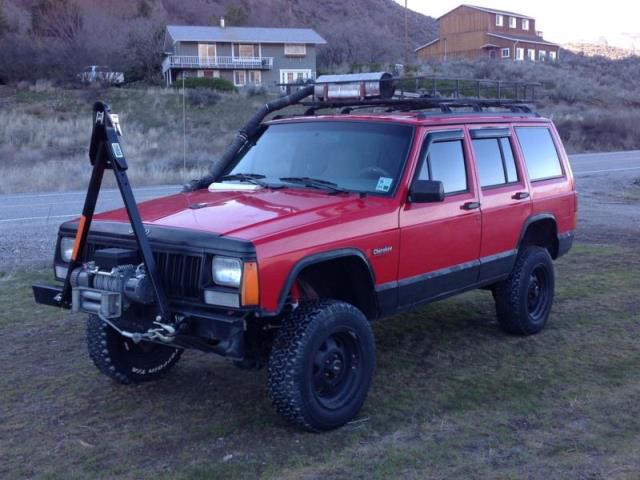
[380, 90]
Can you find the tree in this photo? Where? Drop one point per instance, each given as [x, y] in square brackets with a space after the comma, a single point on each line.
[4, 21]
[60, 19]
[144, 9]
[235, 16]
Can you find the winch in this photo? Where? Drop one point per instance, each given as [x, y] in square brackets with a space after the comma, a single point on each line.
[109, 292]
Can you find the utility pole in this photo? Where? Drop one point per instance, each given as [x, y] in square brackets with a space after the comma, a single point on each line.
[406, 32]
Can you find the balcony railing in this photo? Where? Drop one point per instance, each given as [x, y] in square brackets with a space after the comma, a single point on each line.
[195, 61]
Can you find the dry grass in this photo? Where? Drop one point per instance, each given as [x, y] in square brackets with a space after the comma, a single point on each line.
[45, 132]
[453, 397]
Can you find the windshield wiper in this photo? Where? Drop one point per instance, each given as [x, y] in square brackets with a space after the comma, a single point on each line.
[254, 178]
[315, 183]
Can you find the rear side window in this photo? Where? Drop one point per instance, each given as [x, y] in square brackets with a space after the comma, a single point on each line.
[540, 153]
[445, 162]
[495, 162]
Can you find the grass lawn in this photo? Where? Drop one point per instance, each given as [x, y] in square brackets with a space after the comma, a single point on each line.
[453, 396]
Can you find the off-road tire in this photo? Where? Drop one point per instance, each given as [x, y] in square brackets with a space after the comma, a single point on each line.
[294, 376]
[524, 299]
[122, 360]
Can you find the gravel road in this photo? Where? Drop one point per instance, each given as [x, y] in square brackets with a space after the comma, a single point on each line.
[608, 198]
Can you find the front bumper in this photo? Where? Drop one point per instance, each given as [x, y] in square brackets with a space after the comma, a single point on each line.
[200, 329]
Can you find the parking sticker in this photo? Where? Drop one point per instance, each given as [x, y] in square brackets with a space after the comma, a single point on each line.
[384, 184]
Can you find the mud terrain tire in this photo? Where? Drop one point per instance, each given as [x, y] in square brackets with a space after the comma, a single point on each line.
[124, 361]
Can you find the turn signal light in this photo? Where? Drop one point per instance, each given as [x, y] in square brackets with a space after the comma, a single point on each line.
[250, 294]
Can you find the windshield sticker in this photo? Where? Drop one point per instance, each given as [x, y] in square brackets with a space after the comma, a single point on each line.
[384, 184]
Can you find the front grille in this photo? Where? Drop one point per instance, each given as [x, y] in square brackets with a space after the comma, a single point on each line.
[179, 273]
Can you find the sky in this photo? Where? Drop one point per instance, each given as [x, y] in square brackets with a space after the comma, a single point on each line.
[562, 21]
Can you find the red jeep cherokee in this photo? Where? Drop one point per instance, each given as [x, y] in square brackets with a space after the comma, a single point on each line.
[324, 223]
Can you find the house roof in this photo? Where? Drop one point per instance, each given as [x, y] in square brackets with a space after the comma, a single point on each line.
[489, 10]
[427, 44]
[185, 33]
[519, 38]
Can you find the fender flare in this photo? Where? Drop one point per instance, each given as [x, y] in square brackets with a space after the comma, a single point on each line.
[533, 219]
[315, 259]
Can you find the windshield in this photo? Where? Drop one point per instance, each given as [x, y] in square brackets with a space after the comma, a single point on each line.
[356, 156]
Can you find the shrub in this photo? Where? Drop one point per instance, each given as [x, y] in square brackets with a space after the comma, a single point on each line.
[251, 90]
[219, 84]
[202, 97]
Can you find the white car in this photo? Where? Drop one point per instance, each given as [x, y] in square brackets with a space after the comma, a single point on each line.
[101, 73]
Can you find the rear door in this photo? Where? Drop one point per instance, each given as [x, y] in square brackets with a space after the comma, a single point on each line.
[440, 242]
[505, 198]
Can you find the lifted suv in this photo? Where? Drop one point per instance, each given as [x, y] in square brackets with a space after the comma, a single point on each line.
[314, 226]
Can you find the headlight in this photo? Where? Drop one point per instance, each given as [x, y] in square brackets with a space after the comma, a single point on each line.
[227, 271]
[66, 248]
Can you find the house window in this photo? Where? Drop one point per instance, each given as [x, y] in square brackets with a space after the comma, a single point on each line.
[542, 55]
[499, 21]
[513, 22]
[532, 54]
[525, 24]
[209, 73]
[505, 53]
[255, 77]
[246, 51]
[552, 56]
[206, 50]
[239, 78]
[519, 53]
[295, 49]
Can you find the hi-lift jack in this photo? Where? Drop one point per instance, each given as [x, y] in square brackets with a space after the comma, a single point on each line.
[105, 153]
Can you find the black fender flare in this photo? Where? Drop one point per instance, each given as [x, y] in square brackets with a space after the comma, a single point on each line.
[533, 219]
[315, 259]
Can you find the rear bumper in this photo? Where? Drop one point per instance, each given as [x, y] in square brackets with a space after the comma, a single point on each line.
[565, 241]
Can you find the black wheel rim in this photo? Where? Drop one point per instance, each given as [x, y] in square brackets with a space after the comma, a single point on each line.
[336, 369]
[538, 293]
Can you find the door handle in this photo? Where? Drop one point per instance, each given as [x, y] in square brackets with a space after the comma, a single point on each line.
[520, 195]
[470, 206]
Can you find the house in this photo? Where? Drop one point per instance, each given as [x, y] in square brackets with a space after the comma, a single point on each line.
[242, 55]
[477, 32]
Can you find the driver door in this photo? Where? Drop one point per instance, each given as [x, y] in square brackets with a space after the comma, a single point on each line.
[440, 242]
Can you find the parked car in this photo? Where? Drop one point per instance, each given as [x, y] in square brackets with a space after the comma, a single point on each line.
[314, 226]
[101, 73]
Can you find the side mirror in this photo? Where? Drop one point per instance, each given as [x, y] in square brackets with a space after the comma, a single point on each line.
[426, 191]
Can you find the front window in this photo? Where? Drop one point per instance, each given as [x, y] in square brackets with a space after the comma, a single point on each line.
[525, 24]
[532, 54]
[552, 56]
[505, 53]
[542, 55]
[356, 156]
[246, 51]
[239, 78]
[295, 49]
[255, 77]
[513, 22]
[519, 53]
[499, 20]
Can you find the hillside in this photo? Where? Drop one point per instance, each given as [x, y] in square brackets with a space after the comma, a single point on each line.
[600, 50]
[357, 31]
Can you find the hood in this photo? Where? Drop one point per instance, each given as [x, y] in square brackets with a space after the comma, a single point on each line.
[244, 214]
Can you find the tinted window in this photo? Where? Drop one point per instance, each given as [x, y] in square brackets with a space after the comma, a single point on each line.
[358, 156]
[540, 153]
[489, 162]
[495, 162]
[445, 162]
[509, 161]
